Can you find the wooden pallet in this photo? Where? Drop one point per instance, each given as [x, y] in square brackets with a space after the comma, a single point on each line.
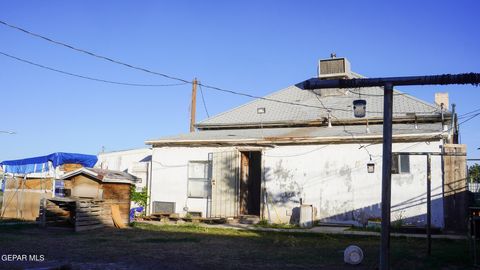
[79, 214]
[91, 214]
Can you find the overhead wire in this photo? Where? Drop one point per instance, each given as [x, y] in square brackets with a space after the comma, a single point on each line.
[203, 101]
[91, 53]
[468, 113]
[183, 81]
[83, 76]
[131, 66]
[310, 182]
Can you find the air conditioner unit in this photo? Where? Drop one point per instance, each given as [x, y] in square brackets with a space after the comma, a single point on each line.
[163, 207]
[334, 68]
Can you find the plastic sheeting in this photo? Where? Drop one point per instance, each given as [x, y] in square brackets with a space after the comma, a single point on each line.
[40, 164]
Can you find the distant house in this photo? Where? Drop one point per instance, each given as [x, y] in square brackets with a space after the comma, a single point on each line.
[134, 161]
[137, 162]
[266, 158]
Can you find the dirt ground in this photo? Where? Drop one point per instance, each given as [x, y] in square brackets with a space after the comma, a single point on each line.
[146, 246]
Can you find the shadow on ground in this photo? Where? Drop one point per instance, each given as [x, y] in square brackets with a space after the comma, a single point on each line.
[146, 246]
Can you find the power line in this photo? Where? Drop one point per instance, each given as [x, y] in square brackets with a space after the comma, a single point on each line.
[93, 54]
[475, 115]
[159, 73]
[154, 72]
[203, 101]
[83, 76]
[466, 114]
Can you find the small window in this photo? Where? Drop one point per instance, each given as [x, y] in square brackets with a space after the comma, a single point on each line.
[400, 164]
[198, 179]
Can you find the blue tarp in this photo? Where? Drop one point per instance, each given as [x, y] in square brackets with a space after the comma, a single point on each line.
[39, 164]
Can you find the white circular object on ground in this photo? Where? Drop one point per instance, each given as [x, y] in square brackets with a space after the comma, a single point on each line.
[353, 255]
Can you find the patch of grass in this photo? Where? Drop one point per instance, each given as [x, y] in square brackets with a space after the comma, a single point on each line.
[264, 224]
[364, 229]
[194, 246]
[195, 228]
[169, 240]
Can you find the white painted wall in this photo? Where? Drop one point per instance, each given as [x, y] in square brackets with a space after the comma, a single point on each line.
[333, 178]
[170, 176]
[135, 162]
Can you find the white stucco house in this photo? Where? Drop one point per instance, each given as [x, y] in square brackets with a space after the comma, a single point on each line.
[266, 158]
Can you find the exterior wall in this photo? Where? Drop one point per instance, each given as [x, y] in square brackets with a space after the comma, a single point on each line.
[84, 187]
[135, 162]
[119, 194]
[170, 176]
[332, 178]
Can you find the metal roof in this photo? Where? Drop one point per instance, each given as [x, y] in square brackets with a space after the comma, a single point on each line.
[316, 102]
[301, 134]
[105, 176]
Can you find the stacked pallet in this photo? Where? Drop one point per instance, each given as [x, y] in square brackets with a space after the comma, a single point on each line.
[57, 213]
[91, 214]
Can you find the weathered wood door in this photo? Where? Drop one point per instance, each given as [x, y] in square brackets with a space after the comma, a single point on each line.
[225, 184]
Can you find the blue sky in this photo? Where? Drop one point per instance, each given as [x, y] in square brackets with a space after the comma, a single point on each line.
[256, 47]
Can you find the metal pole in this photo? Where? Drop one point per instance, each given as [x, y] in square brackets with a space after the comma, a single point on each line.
[429, 204]
[386, 176]
[465, 78]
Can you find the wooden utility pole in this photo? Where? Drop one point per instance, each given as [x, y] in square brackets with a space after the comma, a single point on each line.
[388, 84]
[193, 107]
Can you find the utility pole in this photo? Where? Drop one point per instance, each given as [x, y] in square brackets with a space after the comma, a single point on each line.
[386, 172]
[388, 84]
[193, 106]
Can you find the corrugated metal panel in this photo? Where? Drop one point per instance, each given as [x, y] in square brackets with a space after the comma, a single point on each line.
[224, 202]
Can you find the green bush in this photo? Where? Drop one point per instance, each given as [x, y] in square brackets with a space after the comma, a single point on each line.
[139, 197]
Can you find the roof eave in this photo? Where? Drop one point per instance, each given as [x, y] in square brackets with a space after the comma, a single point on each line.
[433, 136]
[419, 118]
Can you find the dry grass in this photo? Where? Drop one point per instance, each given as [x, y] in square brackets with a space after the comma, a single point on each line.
[146, 246]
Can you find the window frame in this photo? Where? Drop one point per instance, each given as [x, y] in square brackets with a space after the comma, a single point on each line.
[397, 161]
[205, 179]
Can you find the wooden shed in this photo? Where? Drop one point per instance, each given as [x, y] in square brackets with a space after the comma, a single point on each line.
[112, 187]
